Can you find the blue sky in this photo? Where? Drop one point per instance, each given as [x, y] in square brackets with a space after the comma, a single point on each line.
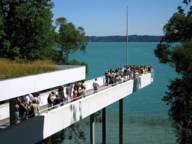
[108, 17]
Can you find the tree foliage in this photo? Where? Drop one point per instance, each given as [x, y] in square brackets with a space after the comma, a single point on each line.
[1, 28]
[28, 30]
[69, 38]
[175, 49]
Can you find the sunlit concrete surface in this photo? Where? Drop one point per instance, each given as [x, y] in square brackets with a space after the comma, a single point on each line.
[12, 88]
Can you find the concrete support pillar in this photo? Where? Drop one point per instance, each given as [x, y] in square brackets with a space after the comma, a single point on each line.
[12, 118]
[92, 129]
[104, 126]
[121, 121]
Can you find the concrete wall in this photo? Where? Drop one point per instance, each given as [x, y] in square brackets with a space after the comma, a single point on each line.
[12, 88]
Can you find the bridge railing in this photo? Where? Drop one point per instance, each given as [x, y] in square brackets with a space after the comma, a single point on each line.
[89, 87]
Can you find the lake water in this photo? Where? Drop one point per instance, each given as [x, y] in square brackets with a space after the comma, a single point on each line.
[145, 114]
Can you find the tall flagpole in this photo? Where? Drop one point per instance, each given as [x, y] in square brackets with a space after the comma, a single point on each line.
[121, 114]
[127, 36]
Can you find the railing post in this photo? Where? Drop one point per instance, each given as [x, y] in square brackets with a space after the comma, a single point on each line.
[104, 126]
[92, 129]
[121, 121]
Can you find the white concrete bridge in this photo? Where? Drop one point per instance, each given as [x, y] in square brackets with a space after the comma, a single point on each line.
[50, 122]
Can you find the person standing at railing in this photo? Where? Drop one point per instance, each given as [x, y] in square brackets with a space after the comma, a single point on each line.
[61, 94]
[75, 93]
[57, 100]
[68, 89]
[50, 99]
[37, 98]
[29, 98]
[106, 78]
[83, 88]
[80, 91]
[30, 110]
[17, 118]
[35, 107]
[22, 109]
[95, 86]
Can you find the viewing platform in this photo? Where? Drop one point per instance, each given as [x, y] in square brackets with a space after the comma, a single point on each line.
[54, 119]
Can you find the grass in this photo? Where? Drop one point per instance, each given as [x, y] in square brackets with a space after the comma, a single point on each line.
[12, 69]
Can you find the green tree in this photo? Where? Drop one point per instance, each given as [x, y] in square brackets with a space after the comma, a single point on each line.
[175, 49]
[1, 28]
[69, 38]
[28, 29]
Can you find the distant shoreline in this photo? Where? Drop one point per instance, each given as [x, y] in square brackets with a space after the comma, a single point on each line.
[132, 38]
[122, 42]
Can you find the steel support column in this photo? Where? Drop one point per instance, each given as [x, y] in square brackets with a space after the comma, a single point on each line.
[104, 126]
[92, 129]
[121, 121]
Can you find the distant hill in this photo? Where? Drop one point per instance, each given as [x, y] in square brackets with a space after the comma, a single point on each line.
[132, 38]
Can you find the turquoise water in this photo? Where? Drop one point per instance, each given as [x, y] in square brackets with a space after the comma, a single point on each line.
[146, 119]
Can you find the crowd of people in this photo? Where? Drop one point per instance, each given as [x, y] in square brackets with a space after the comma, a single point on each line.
[54, 99]
[79, 90]
[71, 92]
[125, 73]
[28, 106]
